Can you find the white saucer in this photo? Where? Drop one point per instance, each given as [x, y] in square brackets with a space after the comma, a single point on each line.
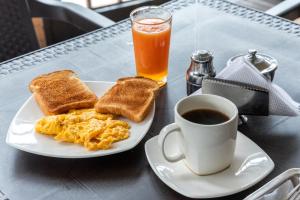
[250, 165]
[21, 133]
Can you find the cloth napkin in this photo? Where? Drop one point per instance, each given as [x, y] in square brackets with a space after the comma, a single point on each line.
[280, 102]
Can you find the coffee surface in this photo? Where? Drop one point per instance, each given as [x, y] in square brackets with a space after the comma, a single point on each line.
[205, 116]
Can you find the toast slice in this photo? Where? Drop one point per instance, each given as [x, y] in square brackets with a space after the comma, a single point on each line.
[130, 97]
[60, 91]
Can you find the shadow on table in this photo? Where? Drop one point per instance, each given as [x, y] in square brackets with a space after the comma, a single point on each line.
[108, 168]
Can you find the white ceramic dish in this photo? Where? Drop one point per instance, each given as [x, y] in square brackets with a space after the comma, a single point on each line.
[250, 165]
[21, 134]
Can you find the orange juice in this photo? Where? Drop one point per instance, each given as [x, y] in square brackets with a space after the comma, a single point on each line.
[151, 39]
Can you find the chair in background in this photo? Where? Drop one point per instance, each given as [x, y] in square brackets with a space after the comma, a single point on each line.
[17, 35]
[289, 9]
[284, 7]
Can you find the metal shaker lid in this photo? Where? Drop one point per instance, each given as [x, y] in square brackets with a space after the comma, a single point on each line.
[202, 56]
[260, 61]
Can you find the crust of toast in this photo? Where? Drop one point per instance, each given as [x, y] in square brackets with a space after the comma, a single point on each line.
[61, 91]
[130, 97]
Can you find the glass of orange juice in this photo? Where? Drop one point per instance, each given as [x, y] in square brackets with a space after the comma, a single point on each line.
[151, 31]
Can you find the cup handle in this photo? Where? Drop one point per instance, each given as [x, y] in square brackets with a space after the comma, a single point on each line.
[171, 128]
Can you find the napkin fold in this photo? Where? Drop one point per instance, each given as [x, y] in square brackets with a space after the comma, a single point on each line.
[280, 102]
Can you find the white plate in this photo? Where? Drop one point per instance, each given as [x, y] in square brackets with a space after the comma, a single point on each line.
[21, 134]
[250, 165]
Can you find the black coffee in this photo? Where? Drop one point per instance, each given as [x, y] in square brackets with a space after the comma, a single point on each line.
[205, 116]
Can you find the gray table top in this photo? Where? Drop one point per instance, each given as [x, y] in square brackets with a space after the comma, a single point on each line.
[107, 54]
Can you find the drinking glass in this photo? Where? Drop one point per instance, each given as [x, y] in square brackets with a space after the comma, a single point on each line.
[151, 31]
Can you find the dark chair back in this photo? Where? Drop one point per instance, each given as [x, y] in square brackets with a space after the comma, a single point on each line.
[17, 35]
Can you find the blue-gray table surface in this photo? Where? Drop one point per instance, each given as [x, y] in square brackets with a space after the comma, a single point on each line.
[107, 54]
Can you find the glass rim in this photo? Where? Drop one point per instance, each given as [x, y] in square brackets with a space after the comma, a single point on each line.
[149, 7]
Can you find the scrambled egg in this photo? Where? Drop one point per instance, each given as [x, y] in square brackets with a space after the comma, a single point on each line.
[86, 127]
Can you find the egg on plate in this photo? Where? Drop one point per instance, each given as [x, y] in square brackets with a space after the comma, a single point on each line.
[85, 127]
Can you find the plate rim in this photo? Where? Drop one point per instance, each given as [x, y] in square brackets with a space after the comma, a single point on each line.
[195, 196]
[23, 148]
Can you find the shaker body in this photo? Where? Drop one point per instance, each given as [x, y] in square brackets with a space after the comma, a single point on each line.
[201, 66]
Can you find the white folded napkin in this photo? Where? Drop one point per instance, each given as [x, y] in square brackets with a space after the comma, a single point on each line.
[280, 103]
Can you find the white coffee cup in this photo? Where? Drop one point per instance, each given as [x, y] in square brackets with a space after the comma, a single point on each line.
[206, 149]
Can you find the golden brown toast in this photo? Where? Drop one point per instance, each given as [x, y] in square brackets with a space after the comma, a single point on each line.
[61, 91]
[130, 97]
